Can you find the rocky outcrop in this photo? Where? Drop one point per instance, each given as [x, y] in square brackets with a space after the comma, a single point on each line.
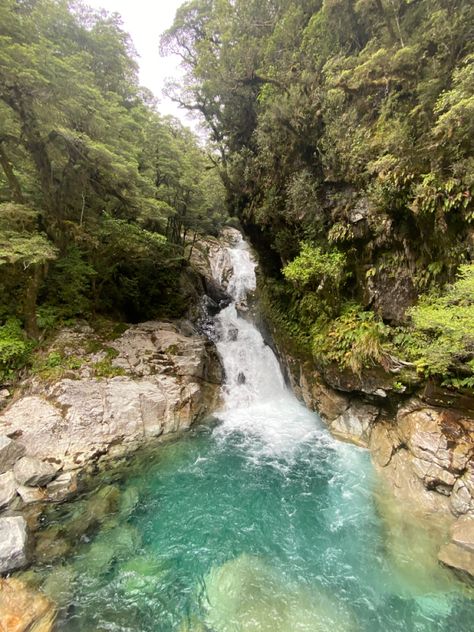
[160, 378]
[348, 417]
[23, 610]
[10, 452]
[422, 446]
[435, 445]
[8, 487]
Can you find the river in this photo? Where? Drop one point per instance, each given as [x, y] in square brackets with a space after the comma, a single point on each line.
[257, 522]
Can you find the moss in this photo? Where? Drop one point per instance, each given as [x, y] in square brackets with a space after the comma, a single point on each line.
[55, 365]
[105, 369]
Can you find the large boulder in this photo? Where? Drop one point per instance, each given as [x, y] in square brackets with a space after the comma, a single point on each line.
[309, 387]
[10, 452]
[355, 424]
[462, 495]
[13, 543]
[435, 445]
[23, 610]
[440, 442]
[170, 379]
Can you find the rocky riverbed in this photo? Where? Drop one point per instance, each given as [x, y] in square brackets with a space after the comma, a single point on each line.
[163, 376]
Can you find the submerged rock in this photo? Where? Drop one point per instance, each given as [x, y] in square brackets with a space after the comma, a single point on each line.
[13, 543]
[246, 594]
[59, 584]
[24, 610]
[51, 545]
[142, 574]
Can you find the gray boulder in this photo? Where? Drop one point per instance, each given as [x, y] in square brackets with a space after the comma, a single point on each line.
[32, 472]
[8, 486]
[13, 543]
[10, 452]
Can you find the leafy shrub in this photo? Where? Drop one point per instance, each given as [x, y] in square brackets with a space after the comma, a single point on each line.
[313, 267]
[443, 339]
[15, 348]
[354, 340]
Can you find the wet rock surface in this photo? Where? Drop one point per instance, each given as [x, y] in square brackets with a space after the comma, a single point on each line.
[458, 554]
[24, 610]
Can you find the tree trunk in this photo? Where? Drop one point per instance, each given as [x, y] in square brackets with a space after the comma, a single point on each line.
[36, 146]
[14, 185]
[387, 20]
[33, 284]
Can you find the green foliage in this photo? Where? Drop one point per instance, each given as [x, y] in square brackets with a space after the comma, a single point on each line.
[105, 369]
[15, 349]
[68, 291]
[20, 243]
[343, 124]
[99, 194]
[313, 267]
[443, 339]
[55, 365]
[354, 340]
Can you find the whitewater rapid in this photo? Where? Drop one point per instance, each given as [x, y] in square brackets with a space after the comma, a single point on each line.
[256, 401]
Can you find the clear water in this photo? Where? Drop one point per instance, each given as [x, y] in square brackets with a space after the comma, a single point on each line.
[260, 523]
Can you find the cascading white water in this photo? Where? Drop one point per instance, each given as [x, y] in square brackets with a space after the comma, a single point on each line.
[256, 399]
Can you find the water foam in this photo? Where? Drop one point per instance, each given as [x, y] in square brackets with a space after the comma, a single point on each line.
[257, 403]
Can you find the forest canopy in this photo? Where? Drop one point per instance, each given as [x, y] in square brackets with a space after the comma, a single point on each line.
[98, 191]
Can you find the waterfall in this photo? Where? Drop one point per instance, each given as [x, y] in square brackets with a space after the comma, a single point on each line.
[257, 403]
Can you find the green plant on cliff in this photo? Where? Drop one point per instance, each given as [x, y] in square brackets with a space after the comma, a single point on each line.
[355, 340]
[443, 342]
[15, 348]
[313, 268]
